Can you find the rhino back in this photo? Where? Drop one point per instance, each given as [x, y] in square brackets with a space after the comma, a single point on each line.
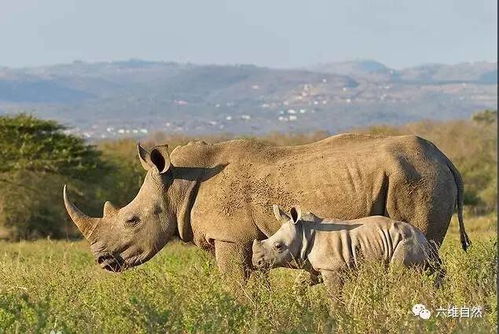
[369, 238]
[344, 176]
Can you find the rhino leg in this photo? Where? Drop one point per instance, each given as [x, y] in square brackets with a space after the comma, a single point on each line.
[440, 274]
[434, 265]
[430, 211]
[308, 278]
[315, 279]
[334, 284]
[233, 260]
[410, 254]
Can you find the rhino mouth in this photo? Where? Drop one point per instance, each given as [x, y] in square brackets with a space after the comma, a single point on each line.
[262, 264]
[111, 262]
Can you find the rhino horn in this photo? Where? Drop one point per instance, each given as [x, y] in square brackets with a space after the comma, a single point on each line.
[109, 209]
[85, 224]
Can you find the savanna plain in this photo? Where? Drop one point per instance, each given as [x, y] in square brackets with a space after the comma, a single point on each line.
[50, 283]
[55, 287]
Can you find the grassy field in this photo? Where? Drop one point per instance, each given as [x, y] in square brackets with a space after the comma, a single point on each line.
[56, 286]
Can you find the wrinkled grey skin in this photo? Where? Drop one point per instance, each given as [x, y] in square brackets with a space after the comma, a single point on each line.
[283, 248]
[130, 236]
[218, 196]
[331, 246]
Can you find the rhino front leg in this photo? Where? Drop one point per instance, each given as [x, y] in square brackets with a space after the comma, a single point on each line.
[334, 284]
[233, 260]
[315, 279]
[309, 279]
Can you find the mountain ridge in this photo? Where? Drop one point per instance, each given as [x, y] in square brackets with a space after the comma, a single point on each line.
[134, 97]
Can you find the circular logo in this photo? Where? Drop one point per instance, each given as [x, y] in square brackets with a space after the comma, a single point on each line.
[421, 311]
[416, 309]
[425, 314]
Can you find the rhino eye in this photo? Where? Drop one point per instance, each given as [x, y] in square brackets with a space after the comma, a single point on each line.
[278, 246]
[132, 221]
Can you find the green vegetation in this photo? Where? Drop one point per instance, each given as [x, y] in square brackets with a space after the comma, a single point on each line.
[40, 146]
[56, 285]
[37, 158]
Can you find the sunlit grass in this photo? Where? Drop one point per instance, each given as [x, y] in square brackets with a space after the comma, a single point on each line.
[56, 285]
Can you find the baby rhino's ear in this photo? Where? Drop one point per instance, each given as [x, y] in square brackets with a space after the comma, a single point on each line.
[295, 214]
[280, 215]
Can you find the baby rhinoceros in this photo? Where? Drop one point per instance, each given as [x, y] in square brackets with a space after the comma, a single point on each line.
[328, 246]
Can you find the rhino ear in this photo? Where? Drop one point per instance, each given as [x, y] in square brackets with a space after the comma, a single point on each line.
[279, 214]
[144, 157]
[158, 158]
[295, 214]
[161, 158]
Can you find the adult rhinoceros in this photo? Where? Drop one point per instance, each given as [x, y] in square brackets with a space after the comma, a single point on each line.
[220, 196]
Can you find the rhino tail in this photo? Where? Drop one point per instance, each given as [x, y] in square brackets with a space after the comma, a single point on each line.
[465, 240]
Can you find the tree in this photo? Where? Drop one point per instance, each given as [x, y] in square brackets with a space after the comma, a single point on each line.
[485, 117]
[31, 144]
[36, 158]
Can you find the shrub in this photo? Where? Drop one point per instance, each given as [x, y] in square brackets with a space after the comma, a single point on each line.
[37, 159]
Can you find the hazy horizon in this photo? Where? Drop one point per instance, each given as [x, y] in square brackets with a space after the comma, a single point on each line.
[242, 64]
[277, 34]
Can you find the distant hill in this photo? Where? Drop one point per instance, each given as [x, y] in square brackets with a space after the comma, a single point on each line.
[478, 72]
[353, 68]
[111, 99]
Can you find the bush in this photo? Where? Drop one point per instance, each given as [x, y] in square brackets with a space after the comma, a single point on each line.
[37, 159]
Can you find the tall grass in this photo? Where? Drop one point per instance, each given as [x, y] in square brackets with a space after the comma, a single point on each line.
[55, 285]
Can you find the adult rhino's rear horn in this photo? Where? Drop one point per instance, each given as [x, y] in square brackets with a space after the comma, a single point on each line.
[109, 210]
[85, 224]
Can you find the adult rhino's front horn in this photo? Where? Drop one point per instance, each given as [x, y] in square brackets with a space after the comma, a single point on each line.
[84, 223]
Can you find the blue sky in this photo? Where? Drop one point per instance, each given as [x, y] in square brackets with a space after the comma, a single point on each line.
[277, 33]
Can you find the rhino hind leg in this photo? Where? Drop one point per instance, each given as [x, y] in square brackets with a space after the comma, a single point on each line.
[428, 208]
[408, 254]
[434, 264]
[440, 276]
[423, 257]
